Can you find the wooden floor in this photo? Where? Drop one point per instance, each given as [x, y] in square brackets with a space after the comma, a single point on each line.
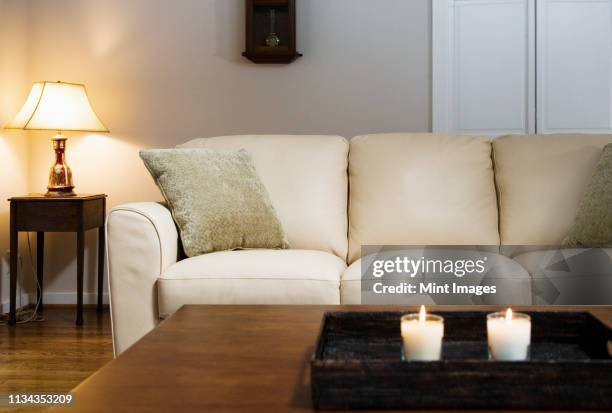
[54, 354]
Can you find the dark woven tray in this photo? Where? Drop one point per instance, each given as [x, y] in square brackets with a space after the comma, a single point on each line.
[357, 364]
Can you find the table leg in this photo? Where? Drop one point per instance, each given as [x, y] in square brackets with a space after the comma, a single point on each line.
[13, 266]
[80, 264]
[40, 264]
[101, 258]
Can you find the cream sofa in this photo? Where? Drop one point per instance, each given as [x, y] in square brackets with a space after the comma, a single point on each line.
[405, 189]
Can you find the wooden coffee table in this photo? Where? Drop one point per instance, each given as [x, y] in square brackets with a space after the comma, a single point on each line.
[226, 359]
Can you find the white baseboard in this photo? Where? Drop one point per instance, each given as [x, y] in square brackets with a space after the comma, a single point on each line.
[25, 300]
[55, 298]
[69, 298]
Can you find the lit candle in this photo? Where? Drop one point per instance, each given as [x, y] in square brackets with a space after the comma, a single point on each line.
[509, 335]
[422, 336]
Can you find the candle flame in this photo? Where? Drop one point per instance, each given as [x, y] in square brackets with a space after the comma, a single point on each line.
[509, 314]
[422, 314]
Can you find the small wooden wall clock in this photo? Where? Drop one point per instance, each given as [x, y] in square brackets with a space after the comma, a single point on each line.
[270, 31]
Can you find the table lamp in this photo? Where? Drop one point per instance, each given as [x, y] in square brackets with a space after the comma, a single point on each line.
[58, 106]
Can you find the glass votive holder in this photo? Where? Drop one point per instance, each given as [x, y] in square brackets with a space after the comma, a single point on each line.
[422, 336]
[508, 335]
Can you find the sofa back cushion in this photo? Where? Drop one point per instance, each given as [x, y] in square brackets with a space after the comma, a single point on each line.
[306, 178]
[540, 181]
[421, 189]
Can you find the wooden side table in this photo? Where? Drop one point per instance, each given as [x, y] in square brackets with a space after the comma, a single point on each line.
[39, 213]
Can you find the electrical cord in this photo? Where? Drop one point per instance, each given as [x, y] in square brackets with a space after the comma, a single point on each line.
[26, 315]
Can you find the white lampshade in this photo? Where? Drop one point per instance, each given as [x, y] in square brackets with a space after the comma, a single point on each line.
[57, 106]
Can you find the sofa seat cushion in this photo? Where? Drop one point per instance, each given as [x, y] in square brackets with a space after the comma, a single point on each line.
[350, 285]
[569, 276]
[350, 288]
[512, 280]
[251, 277]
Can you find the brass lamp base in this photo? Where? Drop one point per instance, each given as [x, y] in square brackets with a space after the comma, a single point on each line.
[60, 175]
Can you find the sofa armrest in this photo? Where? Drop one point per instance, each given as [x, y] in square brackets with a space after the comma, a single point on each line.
[142, 241]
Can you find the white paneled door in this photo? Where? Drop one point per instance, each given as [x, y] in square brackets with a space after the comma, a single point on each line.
[484, 66]
[574, 55]
[522, 66]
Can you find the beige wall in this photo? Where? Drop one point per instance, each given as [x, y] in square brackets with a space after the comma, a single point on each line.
[14, 82]
[161, 72]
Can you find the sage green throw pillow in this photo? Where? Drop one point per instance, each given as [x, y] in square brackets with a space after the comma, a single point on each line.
[593, 224]
[216, 198]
